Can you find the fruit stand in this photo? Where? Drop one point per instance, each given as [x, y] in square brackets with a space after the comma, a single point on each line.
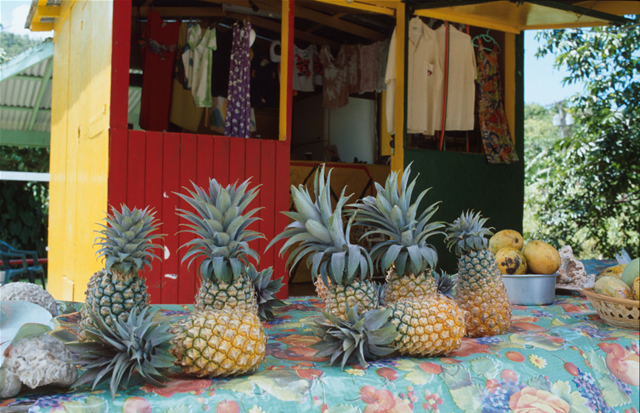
[562, 356]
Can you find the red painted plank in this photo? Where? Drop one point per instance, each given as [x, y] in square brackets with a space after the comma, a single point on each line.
[188, 163]
[221, 159]
[236, 159]
[281, 204]
[153, 198]
[135, 169]
[267, 199]
[120, 52]
[171, 184]
[205, 160]
[252, 172]
[117, 193]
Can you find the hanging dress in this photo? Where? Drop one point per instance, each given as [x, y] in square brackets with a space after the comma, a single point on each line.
[238, 119]
[496, 138]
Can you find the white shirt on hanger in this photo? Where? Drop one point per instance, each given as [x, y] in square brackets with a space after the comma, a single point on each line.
[200, 61]
[462, 76]
[424, 77]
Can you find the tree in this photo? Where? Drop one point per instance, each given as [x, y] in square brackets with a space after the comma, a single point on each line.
[592, 193]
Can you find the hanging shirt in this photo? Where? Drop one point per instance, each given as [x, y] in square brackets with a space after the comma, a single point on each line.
[353, 66]
[368, 56]
[424, 77]
[335, 90]
[183, 111]
[238, 119]
[381, 62]
[202, 47]
[159, 53]
[303, 68]
[462, 74]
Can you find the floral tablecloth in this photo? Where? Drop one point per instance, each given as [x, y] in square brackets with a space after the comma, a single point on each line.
[558, 358]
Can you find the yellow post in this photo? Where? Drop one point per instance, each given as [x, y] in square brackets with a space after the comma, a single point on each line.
[285, 69]
[397, 155]
[510, 82]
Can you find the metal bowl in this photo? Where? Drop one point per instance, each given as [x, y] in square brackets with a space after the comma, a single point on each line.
[531, 289]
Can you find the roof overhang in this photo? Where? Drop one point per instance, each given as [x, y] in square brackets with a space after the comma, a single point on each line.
[516, 16]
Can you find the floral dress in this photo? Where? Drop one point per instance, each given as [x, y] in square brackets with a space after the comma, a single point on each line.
[238, 119]
[493, 122]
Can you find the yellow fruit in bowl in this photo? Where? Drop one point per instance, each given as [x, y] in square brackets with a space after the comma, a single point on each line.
[511, 261]
[614, 271]
[505, 238]
[631, 272]
[636, 289]
[541, 257]
[613, 287]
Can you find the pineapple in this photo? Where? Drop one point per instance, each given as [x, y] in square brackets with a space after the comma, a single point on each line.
[428, 327]
[345, 269]
[266, 290]
[127, 246]
[116, 352]
[406, 254]
[219, 343]
[479, 287]
[222, 241]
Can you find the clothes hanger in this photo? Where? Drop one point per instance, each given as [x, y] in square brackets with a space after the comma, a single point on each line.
[486, 38]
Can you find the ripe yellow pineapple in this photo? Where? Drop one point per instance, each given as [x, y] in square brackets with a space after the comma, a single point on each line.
[220, 225]
[219, 343]
[319, 233]
[406, 254]
[427, 327]
[479, 289]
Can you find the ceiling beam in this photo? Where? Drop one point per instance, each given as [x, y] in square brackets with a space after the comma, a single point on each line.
[24, 138]
[342, 25]
[580, 11]
[276, 27]
[48, 11]
[319, 26]
[182, 11]
[43, 86]
[363, 6]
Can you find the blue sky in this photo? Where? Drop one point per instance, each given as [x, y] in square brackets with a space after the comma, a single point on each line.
[542, 83]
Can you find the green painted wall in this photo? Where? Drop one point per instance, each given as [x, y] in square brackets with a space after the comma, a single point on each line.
[466, 181]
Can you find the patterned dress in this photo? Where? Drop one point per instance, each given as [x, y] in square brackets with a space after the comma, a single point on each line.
[493, 122]
[238, 119]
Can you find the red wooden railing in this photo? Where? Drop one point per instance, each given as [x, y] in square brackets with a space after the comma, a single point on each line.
[147, 168]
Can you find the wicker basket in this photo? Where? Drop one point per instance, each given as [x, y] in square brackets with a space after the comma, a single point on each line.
[616, 312]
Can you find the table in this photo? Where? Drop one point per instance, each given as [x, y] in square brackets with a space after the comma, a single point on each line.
[561, 356]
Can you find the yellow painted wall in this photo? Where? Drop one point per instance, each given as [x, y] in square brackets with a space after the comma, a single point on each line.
[79, 143]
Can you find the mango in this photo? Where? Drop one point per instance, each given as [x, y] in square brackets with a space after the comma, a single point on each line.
[541, 257]
[511, 261]
[505, 238]
[635, 288]
[613, 287]
[614, 271]
[631, 272]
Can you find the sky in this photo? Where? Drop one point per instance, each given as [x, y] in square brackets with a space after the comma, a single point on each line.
[542, 83]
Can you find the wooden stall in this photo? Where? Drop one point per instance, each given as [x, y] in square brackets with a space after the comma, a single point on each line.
[99, 159]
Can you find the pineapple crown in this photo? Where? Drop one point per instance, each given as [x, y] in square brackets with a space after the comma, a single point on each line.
[362, 337]
[445, 283]
[321, 233]
[126, 242]
[392, 214]
[467, 233]
[137, 345]
[220, 226]
[266, 290]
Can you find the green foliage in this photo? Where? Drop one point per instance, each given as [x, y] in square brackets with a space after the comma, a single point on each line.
[23, 215]
[14, 44]
[592, 191]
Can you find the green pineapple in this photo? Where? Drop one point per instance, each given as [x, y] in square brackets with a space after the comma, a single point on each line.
[116, 353]
[406, 254]
[266, 290]
[222, 240]
[479, 288]
[127, 247]
[320, 234]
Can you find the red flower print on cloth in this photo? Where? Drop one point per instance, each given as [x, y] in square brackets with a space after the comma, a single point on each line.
[382, 401]
[179, 386]
[530, 400]
[468, 347]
